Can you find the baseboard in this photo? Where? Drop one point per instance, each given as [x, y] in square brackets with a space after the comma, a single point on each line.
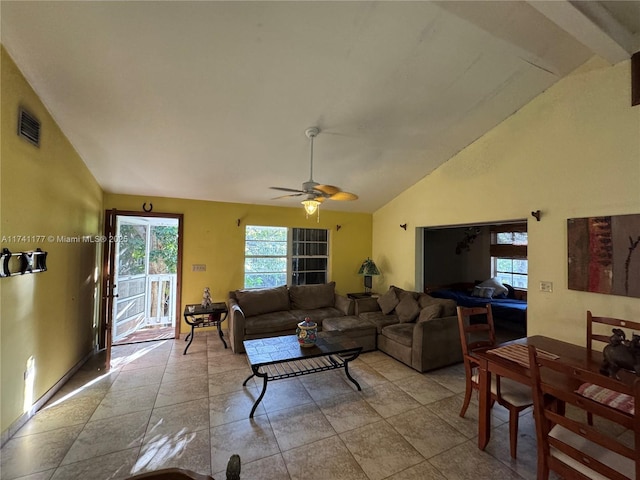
[22, 419]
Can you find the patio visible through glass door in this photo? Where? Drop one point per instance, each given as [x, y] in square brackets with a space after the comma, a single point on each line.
[145, 279]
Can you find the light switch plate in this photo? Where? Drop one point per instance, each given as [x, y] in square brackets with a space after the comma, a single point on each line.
[198, 267]
[546, 287]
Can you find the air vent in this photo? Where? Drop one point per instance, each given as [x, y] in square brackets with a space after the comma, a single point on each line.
[29, 127]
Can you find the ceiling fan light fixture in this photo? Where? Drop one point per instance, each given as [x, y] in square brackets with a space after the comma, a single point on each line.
[311, 207]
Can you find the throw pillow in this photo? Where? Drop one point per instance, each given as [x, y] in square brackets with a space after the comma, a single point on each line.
[430, 312]
[498, 287]
[426, 300]
[266, 300]
[482, 292]
[401, 293]
[408, 309]
[388, 301]
[310, 297]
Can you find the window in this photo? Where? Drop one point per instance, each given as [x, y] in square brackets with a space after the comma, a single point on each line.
[509, 254]
[281, 256]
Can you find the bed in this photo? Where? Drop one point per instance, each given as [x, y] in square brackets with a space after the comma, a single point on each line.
[508, 312]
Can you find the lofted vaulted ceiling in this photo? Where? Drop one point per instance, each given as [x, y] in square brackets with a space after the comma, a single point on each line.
[210, 100]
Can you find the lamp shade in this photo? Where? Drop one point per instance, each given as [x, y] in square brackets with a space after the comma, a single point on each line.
[368, 268]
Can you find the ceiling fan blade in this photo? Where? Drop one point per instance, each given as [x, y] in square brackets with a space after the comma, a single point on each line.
[290, 195]
[288, 189]
[319, 198]
[327, 189]
[343, 196]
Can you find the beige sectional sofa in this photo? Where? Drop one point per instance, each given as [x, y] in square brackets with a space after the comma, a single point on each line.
[277, 311]
[415, 328]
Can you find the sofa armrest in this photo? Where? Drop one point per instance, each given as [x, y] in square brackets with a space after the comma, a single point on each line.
[236, 326]
[363, 305]
[344, 304]
[436, 343]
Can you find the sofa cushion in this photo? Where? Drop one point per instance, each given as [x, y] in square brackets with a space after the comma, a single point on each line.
[263, 300]
[430, 312]
[270, 322]
[388, 301]
[379, 319]
[401, 333]
[408, 309]
[308, 297]
[401, 293]
[448, 305]
[317, 314]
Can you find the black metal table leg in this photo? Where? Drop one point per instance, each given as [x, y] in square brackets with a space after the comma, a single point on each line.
[221, 334]
[190, 337]
[346, 371]
[264, 389]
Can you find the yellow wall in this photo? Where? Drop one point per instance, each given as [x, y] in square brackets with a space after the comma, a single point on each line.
[574, 151]
[45, 191]
[212, 237]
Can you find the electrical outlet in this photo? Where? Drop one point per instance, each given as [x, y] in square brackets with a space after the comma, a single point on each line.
[546, 287]
[198, 267]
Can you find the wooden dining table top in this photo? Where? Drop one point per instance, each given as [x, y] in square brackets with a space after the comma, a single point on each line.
[494, 363]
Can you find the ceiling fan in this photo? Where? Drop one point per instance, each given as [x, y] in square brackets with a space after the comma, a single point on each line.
[315, 192]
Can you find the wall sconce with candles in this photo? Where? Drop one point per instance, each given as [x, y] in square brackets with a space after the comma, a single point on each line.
[368, 269]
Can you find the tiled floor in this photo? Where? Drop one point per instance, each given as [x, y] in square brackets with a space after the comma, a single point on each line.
[158, 408]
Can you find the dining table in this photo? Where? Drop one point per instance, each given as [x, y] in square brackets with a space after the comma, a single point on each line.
[511, 360]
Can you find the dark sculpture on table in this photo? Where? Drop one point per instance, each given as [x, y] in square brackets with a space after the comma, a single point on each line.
[621, 354]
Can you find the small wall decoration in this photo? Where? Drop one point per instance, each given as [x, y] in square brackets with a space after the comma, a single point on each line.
[604, 254]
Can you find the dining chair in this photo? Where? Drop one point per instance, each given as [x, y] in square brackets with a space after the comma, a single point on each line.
[569, 446]
[603, 329]
[600, 329]
[512, 395]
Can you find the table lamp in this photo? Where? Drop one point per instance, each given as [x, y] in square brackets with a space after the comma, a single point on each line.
[368, 269]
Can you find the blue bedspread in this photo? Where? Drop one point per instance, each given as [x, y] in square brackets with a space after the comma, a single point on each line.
[506, 310]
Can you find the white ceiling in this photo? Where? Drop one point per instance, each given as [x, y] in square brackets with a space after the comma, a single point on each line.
[210, 100]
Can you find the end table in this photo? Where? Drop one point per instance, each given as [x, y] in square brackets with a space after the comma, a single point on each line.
[198, 316]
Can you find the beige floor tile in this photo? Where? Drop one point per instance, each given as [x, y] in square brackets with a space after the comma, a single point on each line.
[74, 411]
[139, 377]
[114, 466]
[109, 435]
[269, 468]
[301, 425]
[251, 439]
[449, 409]
[46, 475]
[224, 363]
[234, 406]
[423, 389]
[175, 421]
[499, 447]
[187, 389]
[389, 400]
[226, 382]
[394, 370]
[452, 377]
[184, 449]
[327, 384]
[426, 432]
[347, 412]
[173, 374]
[366, 376]
[326, 459]
[471, 464]
[121, 402]
[422, 471]
[380, 450]
[372, 357]
[36, 453]
[285, 394]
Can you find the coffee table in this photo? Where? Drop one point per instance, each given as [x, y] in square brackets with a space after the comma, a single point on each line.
[282, 357]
